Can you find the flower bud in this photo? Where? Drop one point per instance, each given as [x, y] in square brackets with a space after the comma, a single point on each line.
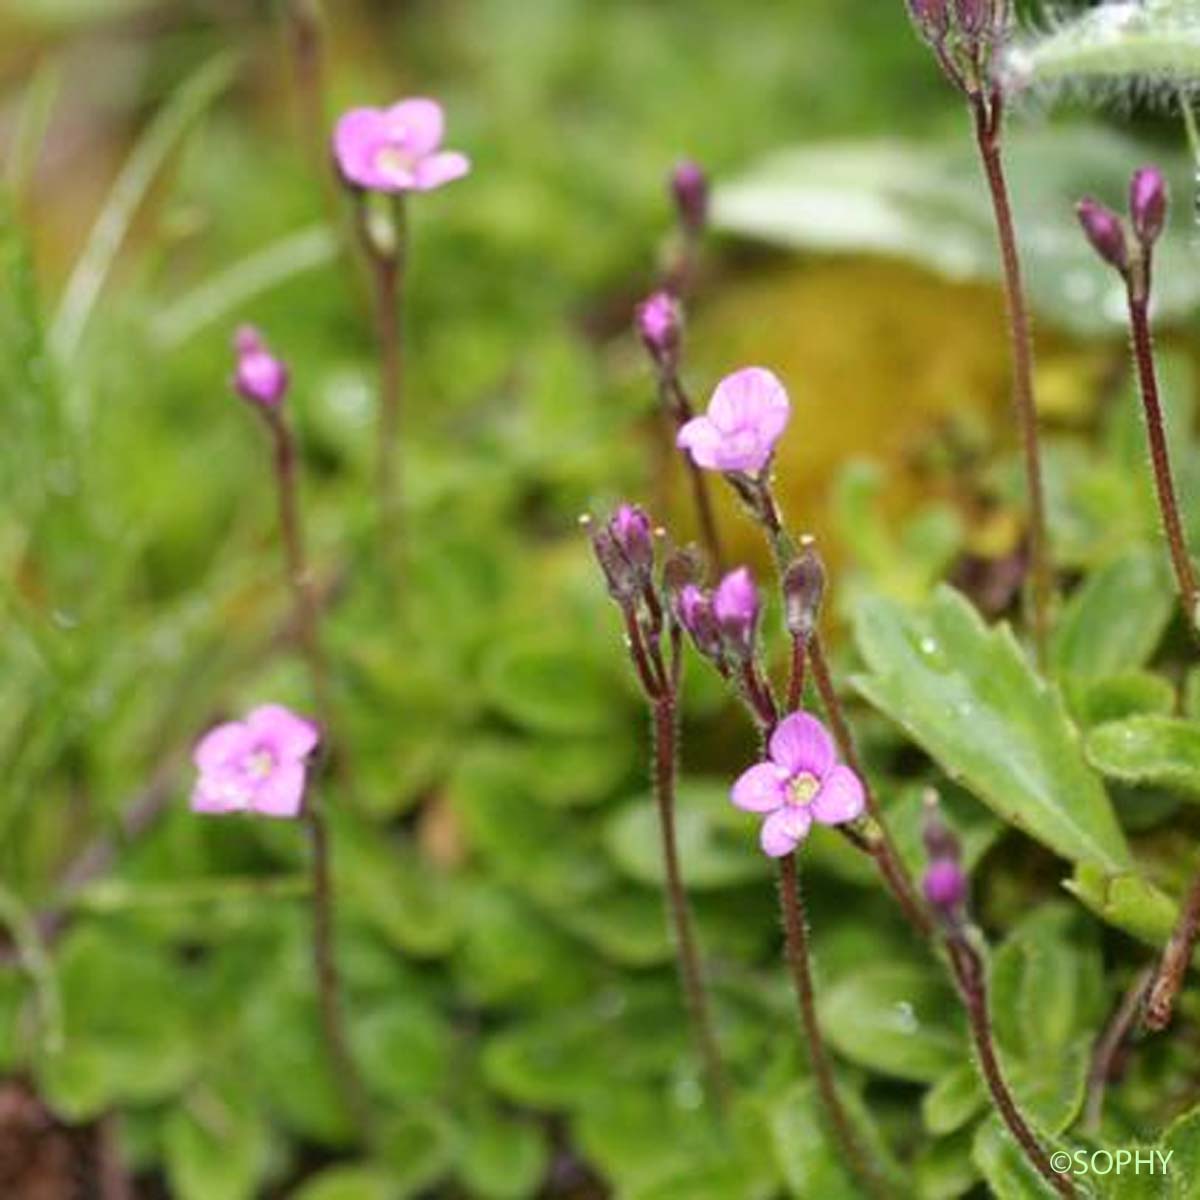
[931, 17]
[689, 186]
[736, 607]
[659, 322]
[803, 590]
[1148, 205]
[695, 611]
[1105, 230]
[974, 16]
[940, 840]
[630, 531]
[945, 886]
[259, 376]
[618, 574]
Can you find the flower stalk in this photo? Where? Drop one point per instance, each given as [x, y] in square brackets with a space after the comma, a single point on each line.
[796, 947]
[624, 549]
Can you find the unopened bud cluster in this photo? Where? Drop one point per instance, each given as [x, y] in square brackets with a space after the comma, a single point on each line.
[1128, 246]
[944, 882]
[963, 35]
[723, 623]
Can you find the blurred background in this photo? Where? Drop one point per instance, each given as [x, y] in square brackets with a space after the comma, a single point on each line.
[509, 970]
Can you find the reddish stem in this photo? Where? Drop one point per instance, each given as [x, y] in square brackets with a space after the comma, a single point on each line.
[988, 115]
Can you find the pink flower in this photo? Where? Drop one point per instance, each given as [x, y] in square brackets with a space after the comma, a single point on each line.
[747, 413]
[256, 765]
[259, 376]
[800, 782]
[396, 149]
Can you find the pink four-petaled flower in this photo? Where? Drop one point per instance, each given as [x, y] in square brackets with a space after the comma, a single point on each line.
[257, 765]
[800, 782]
[396, 149]
[746, 416]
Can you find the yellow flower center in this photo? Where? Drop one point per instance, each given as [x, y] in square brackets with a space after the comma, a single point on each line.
[261, 764]
[803, 788]
[394, 162]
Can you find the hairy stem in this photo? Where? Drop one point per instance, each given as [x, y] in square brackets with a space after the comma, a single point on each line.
[306, 38]
[988, 114]
[1172, 967]
[795, 691]
[388, 274]
[1160, 459]
[329, 990]
[972, 985]
[791, 906]
[690, 972]
[1108, 1047]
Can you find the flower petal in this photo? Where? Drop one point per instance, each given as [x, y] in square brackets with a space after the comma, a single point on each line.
[784, 830]
[291, 736]
[417, 125]
[761, 789]
[281, 793]
[216, 797]
[752, 398]
[800, 743]
[436, 169]
[840, 799]
[221, 746]
[357, 138]
[700, 438]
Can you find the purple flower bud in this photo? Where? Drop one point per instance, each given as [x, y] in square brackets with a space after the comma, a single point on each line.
[1148, 204]
[803, 589]
[931, 17]
[736, 607]
[630, 530]
[974, 16]
[945, 885]
[689, 186]
[1105, 230]
[695, 611]
[259, 376]
[659, 322]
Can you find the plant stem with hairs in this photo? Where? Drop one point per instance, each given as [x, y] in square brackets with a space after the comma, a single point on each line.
[384, 239]
[1160, 458]
[987, 113]
[791, 904]
[690, 971]
[329, 989]
[971, 977]
[1172, 967]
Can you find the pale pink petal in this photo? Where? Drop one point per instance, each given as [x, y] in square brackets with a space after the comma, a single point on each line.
[784, 830]
[222, 745]
[800, 743]
[750, 398]
[761, 789]
[840, 799]
[700, 438]
[289, 735]
[281, 793]
[742, 451]
[436, 169]
[417, 125]
[216, 797]
[357, 138]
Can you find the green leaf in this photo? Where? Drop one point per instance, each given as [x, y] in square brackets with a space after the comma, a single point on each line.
[1115, 620]
[894, 1019]
[216, 1145]
[717, 846]
[128, 1038]
[969, 698]
[358, 1181]
[404, 1049]
[1150, 750]
[1009, 1174]
[417, 1149]
[953, 1100]
[813, 1164]
[944, 1169]
[1125, 900]
[1098, 701]
[926, 203]
[499, 1158]
[553, 688]
[1158, 42]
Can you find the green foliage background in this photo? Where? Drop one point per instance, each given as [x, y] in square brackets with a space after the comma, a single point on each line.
[500, 925]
